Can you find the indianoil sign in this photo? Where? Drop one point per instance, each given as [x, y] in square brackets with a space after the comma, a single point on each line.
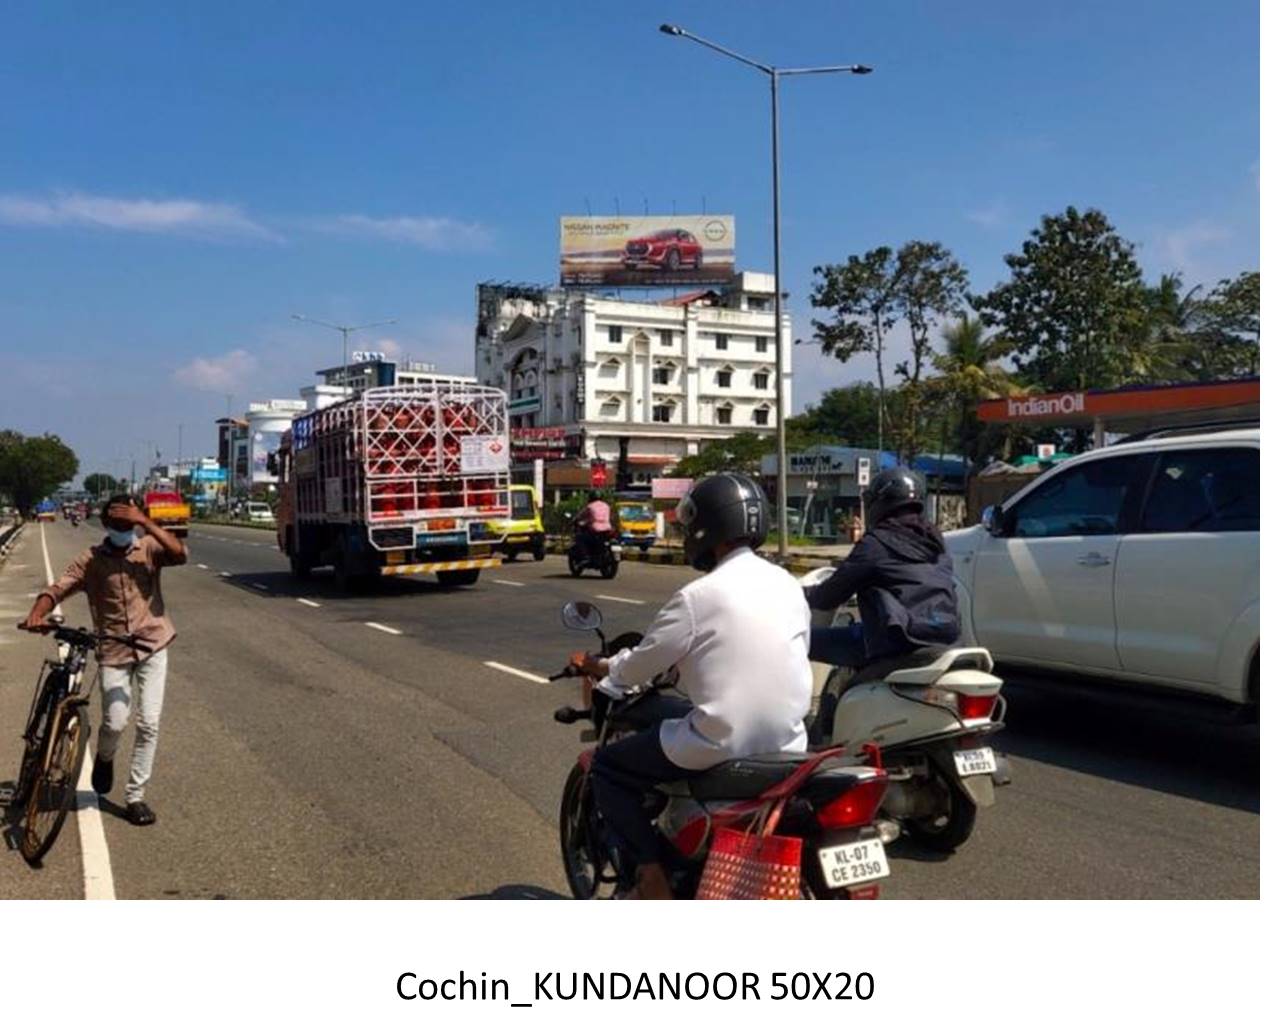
[1083, 407]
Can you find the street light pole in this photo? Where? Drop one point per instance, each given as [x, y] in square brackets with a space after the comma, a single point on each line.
[345, 330]
[780, 407]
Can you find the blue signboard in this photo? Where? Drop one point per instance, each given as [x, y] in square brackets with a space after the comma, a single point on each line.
[209, 474]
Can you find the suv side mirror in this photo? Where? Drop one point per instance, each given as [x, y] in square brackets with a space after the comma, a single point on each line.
[991, 519]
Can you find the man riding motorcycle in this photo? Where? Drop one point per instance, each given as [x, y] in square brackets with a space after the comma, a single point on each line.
[903, 578]
[593, 525]
[738, 637]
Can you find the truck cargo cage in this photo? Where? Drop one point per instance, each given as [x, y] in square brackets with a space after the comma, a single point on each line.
[437, 449]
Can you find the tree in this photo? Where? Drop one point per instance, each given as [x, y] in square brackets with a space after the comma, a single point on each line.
[32, 468]
[848, 415]
[100, 484]
[1075, 306]
[969, 370]
[741, 452]
[1231, 332]
[1191, 337]
[931, 284]
[862, 296]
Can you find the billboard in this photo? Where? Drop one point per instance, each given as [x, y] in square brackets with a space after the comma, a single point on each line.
[646, 251]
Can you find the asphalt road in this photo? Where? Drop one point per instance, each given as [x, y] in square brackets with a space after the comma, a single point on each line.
[307, 753]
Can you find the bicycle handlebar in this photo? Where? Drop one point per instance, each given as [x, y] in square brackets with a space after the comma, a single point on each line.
[82, 637]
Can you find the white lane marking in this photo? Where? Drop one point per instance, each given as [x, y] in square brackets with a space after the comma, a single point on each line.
[522, 674]
[622, 600]
[202, 566]
[508, 582]
[310, 604]
[94, 851]
[226, 575]
[385, 629]
[259, 586]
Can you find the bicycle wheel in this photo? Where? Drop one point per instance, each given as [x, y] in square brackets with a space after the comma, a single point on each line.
[53, 790]
[46, 693]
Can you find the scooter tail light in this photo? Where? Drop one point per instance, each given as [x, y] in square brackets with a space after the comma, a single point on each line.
[855, 807]
[976, 706]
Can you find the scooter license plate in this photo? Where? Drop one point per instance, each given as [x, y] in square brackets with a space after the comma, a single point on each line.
[853, 863]
[973, 761]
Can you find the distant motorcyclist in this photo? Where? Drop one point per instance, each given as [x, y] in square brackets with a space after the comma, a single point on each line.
[593, 524]
[738, 638]
[902, 576]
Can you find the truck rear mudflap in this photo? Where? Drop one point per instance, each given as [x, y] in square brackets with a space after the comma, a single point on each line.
[421, 567]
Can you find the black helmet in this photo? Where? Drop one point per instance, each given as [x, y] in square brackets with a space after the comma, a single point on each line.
[722, 509]
[893, 490]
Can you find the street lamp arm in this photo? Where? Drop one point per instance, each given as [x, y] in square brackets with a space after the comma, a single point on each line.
[365, 327]
[857, 70]
[676, 30]
[313, 320]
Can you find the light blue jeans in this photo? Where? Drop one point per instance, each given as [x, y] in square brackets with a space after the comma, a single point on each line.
[146, 681]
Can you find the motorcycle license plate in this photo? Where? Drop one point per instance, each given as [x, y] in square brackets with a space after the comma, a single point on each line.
[853, 863]
[974, 761]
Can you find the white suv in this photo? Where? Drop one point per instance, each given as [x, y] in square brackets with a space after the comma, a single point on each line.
[1136, 562]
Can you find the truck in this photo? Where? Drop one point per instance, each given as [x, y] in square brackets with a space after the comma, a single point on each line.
[635, 518]
[46, 511]
[167, 509]
[398, 480]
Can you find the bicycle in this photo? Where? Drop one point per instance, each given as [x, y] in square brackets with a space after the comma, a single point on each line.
[56, 736]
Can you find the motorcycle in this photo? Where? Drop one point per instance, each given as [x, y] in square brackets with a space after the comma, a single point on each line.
[597, 551]
[826, 801]
[931, 713]
[74, 521]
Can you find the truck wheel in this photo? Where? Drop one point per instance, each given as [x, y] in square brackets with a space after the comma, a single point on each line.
[342, 574]
[300, 566]
[538, 552]
[462, 577]
[512, 555]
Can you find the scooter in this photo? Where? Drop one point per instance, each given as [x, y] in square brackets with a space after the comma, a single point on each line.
[588, 552]
[931, 713]
[827, 802]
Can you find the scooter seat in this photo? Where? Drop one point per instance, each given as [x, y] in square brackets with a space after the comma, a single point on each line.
[745, 778]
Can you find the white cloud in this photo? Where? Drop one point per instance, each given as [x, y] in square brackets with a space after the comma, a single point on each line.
[990, 216]
[138, 215]
[437, 233]
[212, 373]
[1177, 249]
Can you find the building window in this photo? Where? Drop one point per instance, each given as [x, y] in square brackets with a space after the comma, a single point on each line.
[762, 344]
[760, 380]
[724, 378]
[662, 375]
[725, 415]
[662, 413]
[609, 369]
[666, 339]
[610, 407]
[615, 333]
[761, 415]
[757, 303]
[723, 342]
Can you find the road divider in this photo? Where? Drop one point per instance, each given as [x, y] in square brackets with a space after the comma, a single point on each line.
[522, 674]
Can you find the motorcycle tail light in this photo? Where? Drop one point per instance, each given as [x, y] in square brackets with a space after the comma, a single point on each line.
[855, 807]
[976, 706]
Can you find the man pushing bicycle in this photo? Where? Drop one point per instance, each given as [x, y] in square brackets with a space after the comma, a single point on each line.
[121, 577]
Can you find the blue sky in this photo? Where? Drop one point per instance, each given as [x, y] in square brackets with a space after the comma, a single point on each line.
[175, 183]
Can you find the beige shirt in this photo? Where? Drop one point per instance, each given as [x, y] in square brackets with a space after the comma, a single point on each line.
[125, 595]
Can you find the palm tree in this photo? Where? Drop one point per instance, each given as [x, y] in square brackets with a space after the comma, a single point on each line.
[970, 370]
[1171, 340]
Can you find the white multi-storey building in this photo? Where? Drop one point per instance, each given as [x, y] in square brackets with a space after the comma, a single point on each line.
[653, 378]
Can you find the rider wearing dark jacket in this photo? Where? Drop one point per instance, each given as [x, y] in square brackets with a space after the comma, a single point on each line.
[902, 576]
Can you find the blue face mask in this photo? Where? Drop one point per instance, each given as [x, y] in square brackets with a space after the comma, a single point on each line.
[122, 540]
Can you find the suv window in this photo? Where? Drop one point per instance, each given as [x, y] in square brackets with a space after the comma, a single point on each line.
[1085, 500]
[1213, 490]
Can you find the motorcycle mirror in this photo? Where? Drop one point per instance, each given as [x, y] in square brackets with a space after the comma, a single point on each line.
[581, 615]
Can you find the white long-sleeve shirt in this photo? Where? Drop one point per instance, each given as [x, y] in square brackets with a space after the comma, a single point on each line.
[739, 637]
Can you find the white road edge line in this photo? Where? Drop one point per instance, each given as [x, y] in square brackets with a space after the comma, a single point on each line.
[200, 565]
[508, 582]
[227, 575]
[94, 851]
[621, 600]
[310, 604]
[516, 672]
[259, 586]
[385, 629]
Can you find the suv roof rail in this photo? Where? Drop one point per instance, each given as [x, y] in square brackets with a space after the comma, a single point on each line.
[1190, 429]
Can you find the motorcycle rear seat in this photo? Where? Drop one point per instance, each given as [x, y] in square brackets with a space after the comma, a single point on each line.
[747, 777]
[882, 668]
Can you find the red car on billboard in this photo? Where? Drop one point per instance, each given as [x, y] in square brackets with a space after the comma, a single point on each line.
[665, 249]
